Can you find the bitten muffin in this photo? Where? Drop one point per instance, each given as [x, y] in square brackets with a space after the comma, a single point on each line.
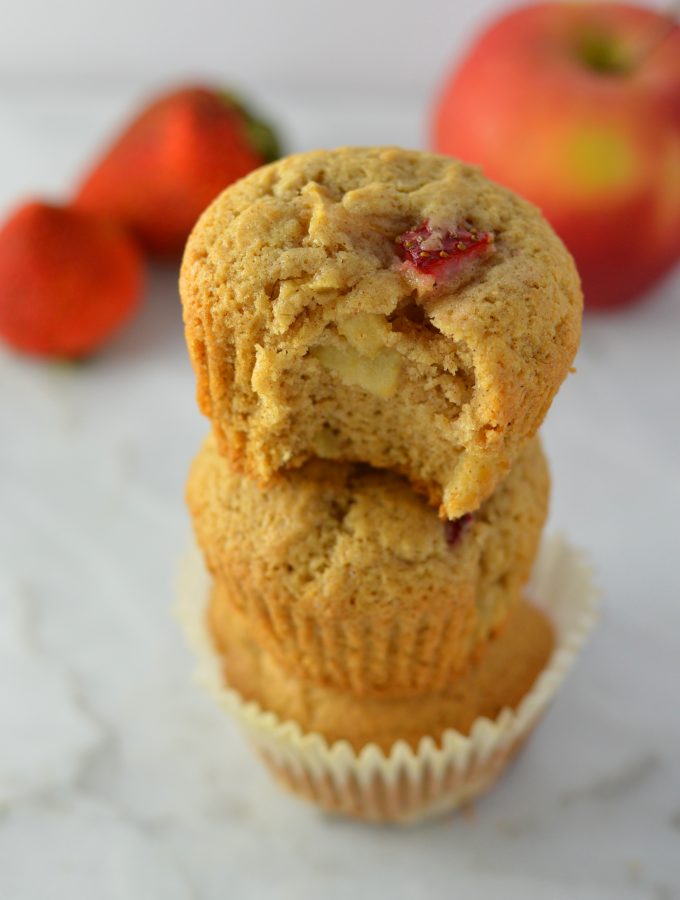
[349, 577]
[383, 306]
[498, 681]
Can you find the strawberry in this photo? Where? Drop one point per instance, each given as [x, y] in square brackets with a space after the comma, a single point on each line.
[455, 528]
[437, 252]
[68, 280]
[173, 159]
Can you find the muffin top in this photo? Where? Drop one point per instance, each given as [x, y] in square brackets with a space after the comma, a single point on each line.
[361, 229]
[347, 540]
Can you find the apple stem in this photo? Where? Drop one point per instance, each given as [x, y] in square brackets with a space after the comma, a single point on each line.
[662, 31]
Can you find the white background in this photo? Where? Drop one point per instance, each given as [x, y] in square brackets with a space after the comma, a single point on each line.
[118, 779]
[352, 46]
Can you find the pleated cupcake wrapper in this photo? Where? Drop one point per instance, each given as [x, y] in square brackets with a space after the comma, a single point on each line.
[403, 785]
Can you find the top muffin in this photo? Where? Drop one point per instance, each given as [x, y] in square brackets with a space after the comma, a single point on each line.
[378, 305]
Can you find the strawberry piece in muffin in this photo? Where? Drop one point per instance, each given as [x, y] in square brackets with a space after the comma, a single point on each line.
[433, 253]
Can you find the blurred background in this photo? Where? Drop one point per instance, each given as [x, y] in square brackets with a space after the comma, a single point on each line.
[117, 777]
[379, 46]
[311, 67]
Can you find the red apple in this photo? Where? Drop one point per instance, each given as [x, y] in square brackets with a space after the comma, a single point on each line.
[577, 108]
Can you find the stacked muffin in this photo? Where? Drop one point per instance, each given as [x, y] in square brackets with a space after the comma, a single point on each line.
[377, 335]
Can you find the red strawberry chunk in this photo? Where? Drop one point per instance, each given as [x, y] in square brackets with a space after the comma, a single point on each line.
[454, 528]
[437, 252]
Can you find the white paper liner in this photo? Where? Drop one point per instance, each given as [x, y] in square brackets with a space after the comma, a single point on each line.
[405, 784]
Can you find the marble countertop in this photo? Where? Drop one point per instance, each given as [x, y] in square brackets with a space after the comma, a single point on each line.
[120, 780]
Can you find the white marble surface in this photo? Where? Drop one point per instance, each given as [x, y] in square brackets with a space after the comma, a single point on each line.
[119, 780]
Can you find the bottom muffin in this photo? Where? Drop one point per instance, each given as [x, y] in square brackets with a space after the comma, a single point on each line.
[499, 680]
[400, 783]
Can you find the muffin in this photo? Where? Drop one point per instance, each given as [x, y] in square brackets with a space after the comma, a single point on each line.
[497, 681]
[349, 577]
[410, 779]
[382, 306]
